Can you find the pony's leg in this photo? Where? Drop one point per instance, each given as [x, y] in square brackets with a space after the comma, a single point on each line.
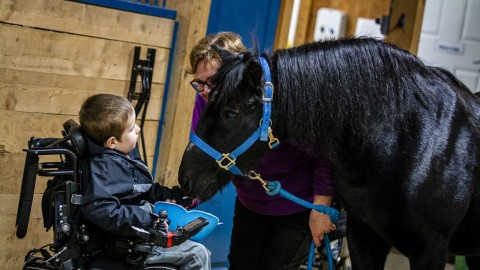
[427, 250]
[368, 251]
[473, 262]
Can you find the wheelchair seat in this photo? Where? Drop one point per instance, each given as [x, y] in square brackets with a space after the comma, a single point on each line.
[61, 203]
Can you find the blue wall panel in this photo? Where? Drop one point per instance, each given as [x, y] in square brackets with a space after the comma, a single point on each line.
[251, 19]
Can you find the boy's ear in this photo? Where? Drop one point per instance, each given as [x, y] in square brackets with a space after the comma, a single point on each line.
[110, 143]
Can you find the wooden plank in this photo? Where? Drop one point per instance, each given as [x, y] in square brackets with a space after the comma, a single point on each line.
[11, 166]
[18, 127]
[283, 24]
[24, 48]
[408, 36]
[303, 22]
[8, 210]
[193, 17]
[14, 252]
[28, 91]
[88, 20]
[417, 29]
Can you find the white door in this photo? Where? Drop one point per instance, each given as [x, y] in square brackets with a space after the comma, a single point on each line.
[450, 38]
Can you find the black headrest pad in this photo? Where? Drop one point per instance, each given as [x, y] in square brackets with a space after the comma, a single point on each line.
[78, 142]
[77, 138]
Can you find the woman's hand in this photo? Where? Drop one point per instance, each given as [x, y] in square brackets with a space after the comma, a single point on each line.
[320, 223]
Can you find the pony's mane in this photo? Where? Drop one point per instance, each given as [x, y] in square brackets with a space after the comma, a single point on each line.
[349, 85]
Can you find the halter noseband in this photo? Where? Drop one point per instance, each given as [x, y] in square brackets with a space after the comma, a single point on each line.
[263, 132]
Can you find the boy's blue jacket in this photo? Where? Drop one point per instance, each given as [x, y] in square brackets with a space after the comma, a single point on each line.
[119, 192]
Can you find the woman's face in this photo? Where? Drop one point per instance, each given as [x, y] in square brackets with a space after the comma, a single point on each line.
[204, 72]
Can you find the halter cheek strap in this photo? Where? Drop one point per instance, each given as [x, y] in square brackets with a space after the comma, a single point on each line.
[267, 100]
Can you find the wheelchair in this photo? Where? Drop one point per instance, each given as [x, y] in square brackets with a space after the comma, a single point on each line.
[61, 203]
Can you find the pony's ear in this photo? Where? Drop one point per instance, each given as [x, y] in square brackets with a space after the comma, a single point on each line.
[253, 72]
[224, 54]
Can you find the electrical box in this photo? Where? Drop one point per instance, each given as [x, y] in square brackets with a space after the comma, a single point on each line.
[330, 24]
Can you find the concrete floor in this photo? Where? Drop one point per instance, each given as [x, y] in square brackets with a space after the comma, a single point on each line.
[395, 261]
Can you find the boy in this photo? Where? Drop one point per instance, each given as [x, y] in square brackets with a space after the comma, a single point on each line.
[120, 191]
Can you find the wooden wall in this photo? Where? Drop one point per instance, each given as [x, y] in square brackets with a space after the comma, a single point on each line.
[193, 18]
[406, 37]
[54, 54]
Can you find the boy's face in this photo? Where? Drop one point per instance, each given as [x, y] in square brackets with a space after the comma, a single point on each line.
[129, 136]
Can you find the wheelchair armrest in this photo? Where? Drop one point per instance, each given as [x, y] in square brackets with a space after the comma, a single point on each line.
[26, 194]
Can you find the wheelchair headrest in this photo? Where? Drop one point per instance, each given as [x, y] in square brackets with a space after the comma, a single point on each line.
[77, 138]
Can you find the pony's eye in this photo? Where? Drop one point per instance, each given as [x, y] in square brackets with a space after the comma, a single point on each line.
[230, 113]
[250, 101]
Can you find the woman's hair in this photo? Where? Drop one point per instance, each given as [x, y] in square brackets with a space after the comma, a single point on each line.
[203, 50]
[103, 116]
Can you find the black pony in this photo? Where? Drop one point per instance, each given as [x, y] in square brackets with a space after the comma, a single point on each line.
[403, 138]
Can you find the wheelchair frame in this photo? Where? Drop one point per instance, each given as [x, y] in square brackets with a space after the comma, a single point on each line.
[64, 189]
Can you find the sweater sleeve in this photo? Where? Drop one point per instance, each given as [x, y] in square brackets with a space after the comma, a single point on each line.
[200, 104]
[323, 179]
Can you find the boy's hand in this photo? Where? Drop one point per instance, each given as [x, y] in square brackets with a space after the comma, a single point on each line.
[174, 195]
[180, 198]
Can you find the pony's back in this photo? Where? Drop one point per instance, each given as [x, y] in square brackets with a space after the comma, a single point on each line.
[357, 82]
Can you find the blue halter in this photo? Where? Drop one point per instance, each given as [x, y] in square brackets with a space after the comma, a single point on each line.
[263, 132]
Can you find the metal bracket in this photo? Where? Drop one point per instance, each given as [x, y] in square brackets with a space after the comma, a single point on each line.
[144, 70]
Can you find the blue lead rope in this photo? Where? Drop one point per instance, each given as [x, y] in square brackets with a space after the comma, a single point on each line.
[326, 242]
[274, 187]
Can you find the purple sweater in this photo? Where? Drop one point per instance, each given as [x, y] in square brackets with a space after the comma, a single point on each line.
[300, 172]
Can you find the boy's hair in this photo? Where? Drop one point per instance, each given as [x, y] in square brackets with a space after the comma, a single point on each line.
[103, 116]
[203, 50]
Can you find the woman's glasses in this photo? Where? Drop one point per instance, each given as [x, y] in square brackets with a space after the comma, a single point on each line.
[199, 85]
